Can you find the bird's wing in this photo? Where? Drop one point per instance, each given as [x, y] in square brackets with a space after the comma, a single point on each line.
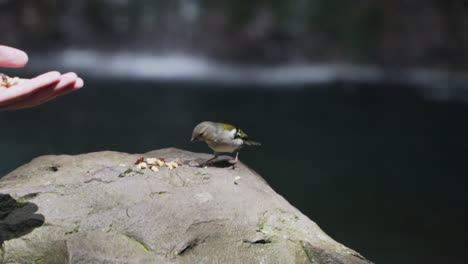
[227, 127]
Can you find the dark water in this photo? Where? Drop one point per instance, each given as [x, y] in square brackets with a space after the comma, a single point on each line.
[377, 167]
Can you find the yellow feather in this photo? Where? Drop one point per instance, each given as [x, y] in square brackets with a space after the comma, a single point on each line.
[228, 126]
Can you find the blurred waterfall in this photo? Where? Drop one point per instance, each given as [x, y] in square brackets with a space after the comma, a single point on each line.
[262, 42]
[433, 84]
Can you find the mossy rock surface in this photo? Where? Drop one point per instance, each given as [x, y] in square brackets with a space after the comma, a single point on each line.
[98, 208]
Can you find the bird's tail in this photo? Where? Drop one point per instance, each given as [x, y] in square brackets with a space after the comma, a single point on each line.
[252, 143]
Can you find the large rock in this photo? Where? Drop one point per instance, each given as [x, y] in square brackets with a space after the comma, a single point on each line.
[98, 208]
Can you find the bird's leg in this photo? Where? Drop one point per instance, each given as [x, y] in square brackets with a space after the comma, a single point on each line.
[210, 160]
[234, 161]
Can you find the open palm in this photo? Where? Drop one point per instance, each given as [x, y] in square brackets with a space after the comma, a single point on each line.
[35, 91]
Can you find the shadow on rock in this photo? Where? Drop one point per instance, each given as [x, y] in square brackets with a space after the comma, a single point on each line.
[16, 218]
[220, 162]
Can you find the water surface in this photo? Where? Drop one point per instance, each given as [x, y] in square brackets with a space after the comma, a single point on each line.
[379, 168]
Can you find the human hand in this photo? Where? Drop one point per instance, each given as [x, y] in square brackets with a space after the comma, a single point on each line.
[35, 91]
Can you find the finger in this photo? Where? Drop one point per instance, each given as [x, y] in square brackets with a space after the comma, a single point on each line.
[66, 90]
[30, 100]
[38, 101]
[12, 58]
[65, 85]
[76, 86]
[28, 87]
[79, 83]
[66, 80]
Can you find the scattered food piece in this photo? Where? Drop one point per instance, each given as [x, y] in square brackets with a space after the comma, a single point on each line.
[172, 165]
[122, 165]
[159, 162]
[179, 162]
[142, 165]
[236, 179]
[154, 163]
[140, 160]
[151, 161]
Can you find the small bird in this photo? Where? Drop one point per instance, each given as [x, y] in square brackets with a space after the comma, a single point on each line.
[221, 138]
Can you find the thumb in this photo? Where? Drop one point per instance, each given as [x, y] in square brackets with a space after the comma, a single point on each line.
[12, 58]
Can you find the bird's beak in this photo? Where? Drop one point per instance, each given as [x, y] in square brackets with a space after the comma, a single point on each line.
[193, 139]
